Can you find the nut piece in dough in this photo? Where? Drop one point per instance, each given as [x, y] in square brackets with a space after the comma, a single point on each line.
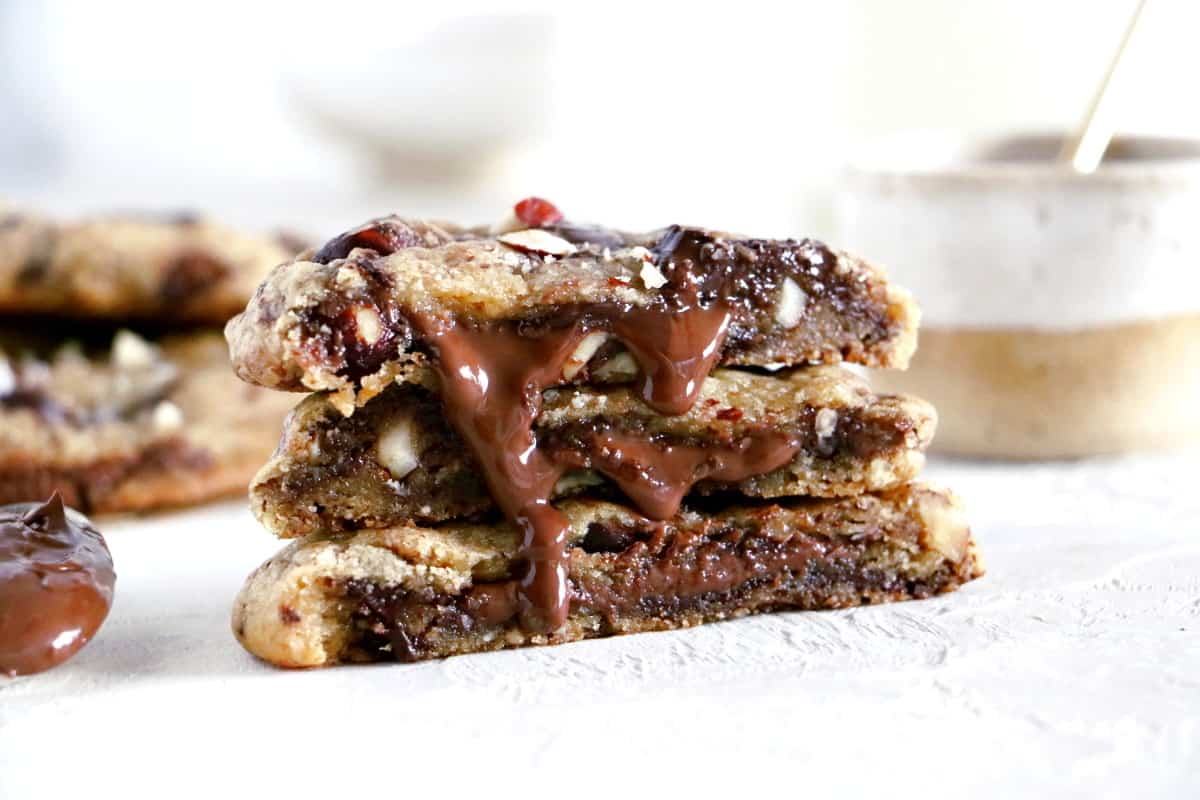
[535, 240]
[396, 449]
[368, 327]
[583, 353]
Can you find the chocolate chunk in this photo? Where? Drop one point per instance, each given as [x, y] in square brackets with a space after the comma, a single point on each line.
[56, 585]
[596, 235]
[609, 538]
[383, 236]
[37, 265]
[191, 274]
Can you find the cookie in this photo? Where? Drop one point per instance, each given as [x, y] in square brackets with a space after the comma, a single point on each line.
[168, 271]
[471, 375]
[408, 593]
[364, 309]
[817, 432]
[132, 425]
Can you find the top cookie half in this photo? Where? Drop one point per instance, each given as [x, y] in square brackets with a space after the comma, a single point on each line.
[344, 318]
[163, 271]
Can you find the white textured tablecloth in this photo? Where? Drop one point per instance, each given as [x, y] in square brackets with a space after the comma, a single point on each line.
[1072, 669]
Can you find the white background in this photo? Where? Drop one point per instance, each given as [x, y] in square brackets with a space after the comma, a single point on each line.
[732, 115]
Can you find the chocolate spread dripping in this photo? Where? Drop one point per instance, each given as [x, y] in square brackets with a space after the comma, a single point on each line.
[492, 378]
[656, 477]
[56, 585]
[675, 350]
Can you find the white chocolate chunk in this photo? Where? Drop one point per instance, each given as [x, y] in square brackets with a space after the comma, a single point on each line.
[395, 448]
[130, 351]
[825, 423]
[167, 417]
[8, 378]
[792, 301]
[348, 278]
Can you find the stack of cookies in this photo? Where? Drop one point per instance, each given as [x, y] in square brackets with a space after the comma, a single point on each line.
[115, 388]
[546, 432]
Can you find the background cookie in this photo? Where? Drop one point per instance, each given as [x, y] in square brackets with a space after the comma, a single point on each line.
[179, 269]
[131, 426]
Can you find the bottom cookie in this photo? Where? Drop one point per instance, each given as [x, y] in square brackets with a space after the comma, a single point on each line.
[136, 426]
[409, 593]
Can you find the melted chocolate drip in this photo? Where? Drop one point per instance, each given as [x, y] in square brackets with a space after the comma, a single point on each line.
[657, 477]
[56, 585]
[492, 378]
[675, 349]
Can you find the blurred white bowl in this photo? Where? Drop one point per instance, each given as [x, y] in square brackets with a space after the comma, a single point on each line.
[1061, 312]
[442, 107]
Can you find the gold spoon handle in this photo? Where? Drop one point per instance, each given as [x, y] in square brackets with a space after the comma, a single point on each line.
[1085, 149]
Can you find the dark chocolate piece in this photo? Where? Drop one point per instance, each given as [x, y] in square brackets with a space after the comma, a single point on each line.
[191, 273]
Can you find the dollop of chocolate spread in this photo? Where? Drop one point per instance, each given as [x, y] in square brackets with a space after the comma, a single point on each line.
[56, 585]
[493, 374]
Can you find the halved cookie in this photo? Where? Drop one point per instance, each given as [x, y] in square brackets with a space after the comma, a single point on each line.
[817, 431]
[408, 593]
[371, 305]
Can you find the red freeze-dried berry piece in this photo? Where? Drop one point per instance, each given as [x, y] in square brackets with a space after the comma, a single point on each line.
[536, 212]
[730, 414]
